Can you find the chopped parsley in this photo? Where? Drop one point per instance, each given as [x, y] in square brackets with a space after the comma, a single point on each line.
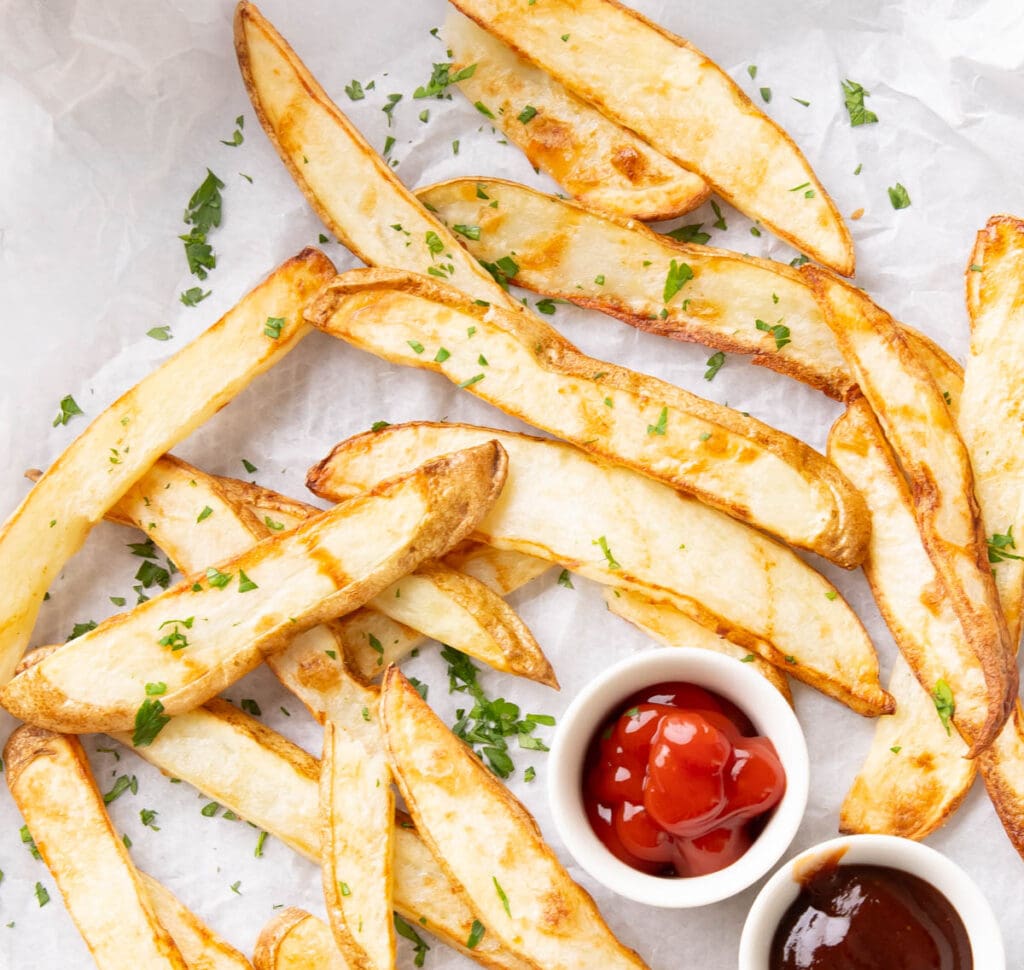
[202, 214]
[377, 647]
[529, 774]
[251, 707]
[148, 818]
[547, 307]
[272, 525]
[272, 328]
[714, 364]
[249, 466]
[483, 109]
[896, 748]
[766, 95]
[176, 640]
[469, 382]
[778, 331]
[659, 428]
[150, 720]
[160, 333]
[259, 845]
[899, 196]
[403, 929]
[719, 222]
[42, 895]
[80, 629]
[853, 97]
[502, 270]
[205, 514]
[502, 896]
[216, 578]
[999, 546]
[476, 933]
[236, 137]
[606, 549]
[942, 697]
[68, 409]
[245, 584]
[355, 91]
[155, 690]
[527, 114]
[122, 784]
[693, 233]
[440, 78]
[470, 232]
[564, 579]
[194, 295]
[29, 842]
[679, 274]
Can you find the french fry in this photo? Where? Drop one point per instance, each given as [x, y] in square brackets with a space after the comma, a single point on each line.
[199, 945]
[356, 857]
[681, 103]
[916, 772]
[989, 421]
[295, 940]
[915, 775]
[590, 156]
[49, 777]
[350, 187]
[120, 445]
[262, 777]
[903, 578]
[636, 534]
[518, 363]
[199, 637]
[923, 435]
[612, 264]
[667, 625]
[441, 604]
[490, 844]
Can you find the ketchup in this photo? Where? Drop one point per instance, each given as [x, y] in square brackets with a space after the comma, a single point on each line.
[862, 917]
[677, 782]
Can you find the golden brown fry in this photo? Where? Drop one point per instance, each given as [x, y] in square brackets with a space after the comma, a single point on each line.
[667, 625]
[728, 460]
[294, 940]
[598, 261]
[915, 775]
[120, 445]
[490, 844]
[681, 103]
[637, 534]
[264, 778]
[923, 435]
[49, 777]
[199, 945]
[356, 857]
[590, 156]
[347, 183]
[209, 631]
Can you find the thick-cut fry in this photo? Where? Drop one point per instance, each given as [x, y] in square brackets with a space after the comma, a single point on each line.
[356, 858]
[262, 777]
[991, 417]
[637, 534]
[294, 940]
[990, 422]
[346, 182]
[440, 603]
[915, 775]
[210, 630]
[923, 435]
[680, 102]
[490, 844]
[612, 264]
[667, 625]
[590, 156]
[199, 945]
[906, 585]
[49, 777]
[521, 365]
[51, 524]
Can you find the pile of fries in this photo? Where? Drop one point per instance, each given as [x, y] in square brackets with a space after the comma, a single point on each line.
[434, 523]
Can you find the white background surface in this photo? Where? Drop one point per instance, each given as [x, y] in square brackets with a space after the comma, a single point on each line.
[110, 113]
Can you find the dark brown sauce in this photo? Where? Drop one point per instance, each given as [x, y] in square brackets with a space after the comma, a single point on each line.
[860, 917]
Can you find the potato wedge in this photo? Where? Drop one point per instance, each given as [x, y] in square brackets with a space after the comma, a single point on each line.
[915, 775]
[665, 624]
[612, 264]
[905, 582]
[327, 566]
[590, 156]
[199, 945]
[924, 438]
[350, 187]
[51, 524]
[262, 777]
[53, 787]
[518, 363]
[356, 859]
[636, 534]
[295, 940]
[441, 604]
[681, 103]
[490, 844]
[990, 417]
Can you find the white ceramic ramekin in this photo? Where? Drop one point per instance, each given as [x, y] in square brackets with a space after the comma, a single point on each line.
[748, 690]
[877, 850]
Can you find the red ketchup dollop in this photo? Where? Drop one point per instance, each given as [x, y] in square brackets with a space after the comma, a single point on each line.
[678, 783]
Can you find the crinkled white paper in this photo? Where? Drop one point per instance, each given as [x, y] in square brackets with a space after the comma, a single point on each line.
[111, 113]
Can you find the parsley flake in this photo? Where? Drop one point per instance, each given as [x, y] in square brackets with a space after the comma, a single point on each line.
[679, 274]
[945, 705]
[714, 364]
[68, 409]
[853, 97]
[899, 196]
[606, 549]
[150, 720]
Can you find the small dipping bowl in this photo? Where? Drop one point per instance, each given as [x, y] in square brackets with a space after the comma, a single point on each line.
[771, 716]
[874, 850]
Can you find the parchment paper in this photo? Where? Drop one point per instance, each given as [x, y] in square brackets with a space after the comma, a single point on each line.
[111, 112]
